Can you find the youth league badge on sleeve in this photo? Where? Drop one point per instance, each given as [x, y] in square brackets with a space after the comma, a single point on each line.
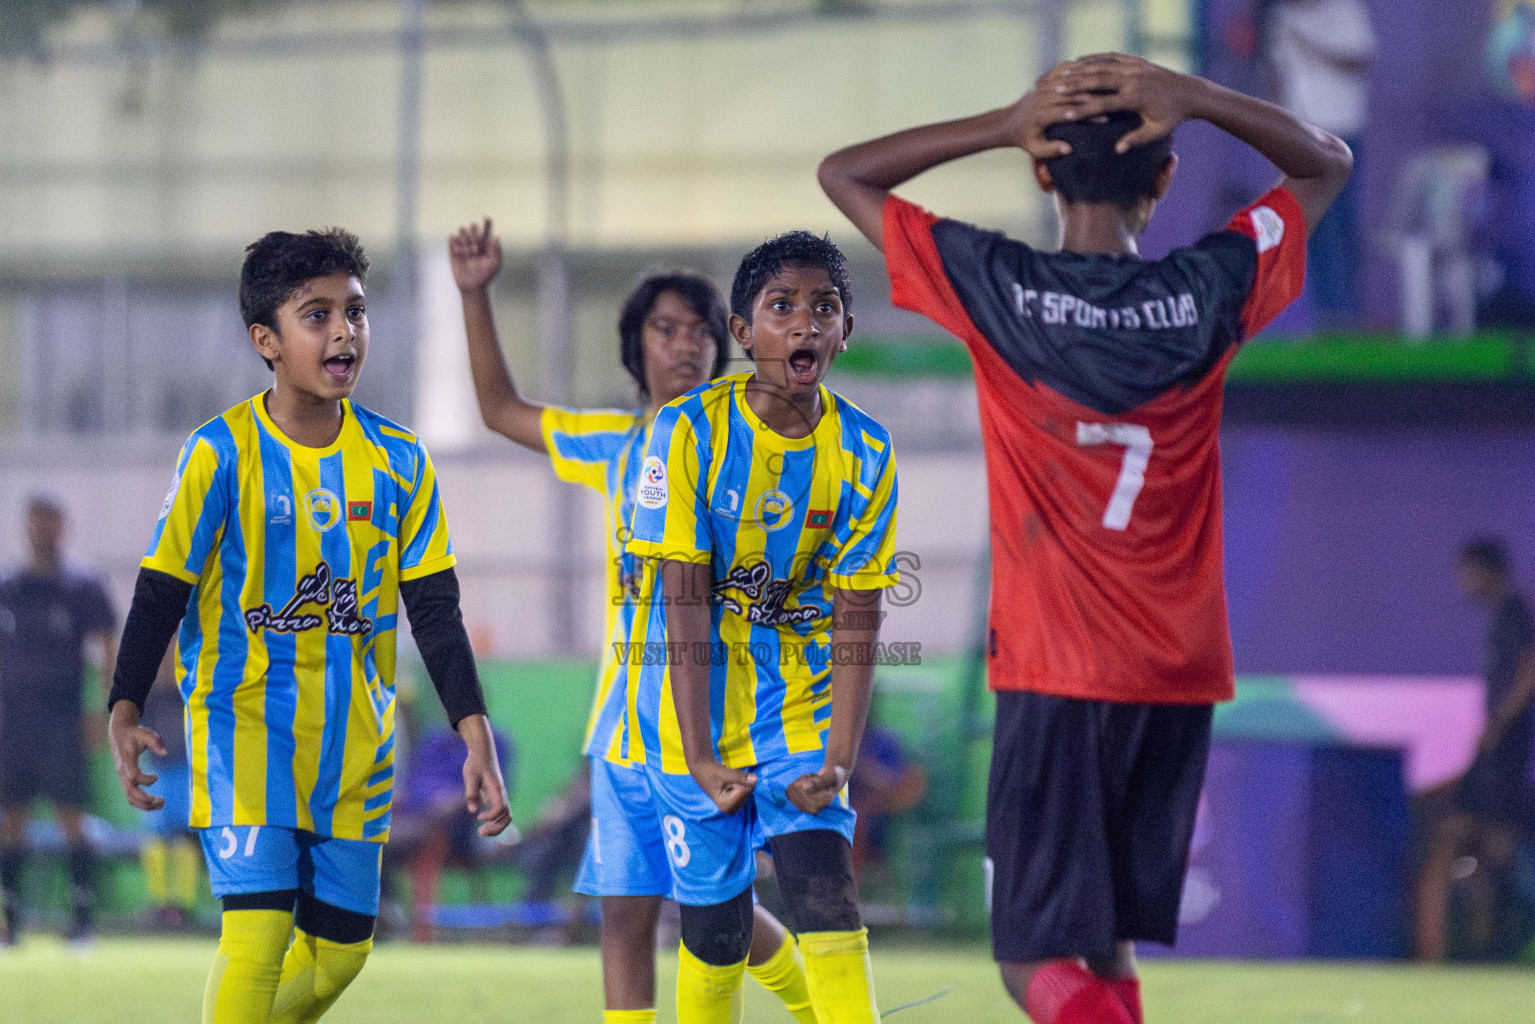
[170, 496]
[1269, 228]
[652, 491]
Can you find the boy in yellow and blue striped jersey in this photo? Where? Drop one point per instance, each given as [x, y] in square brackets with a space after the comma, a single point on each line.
[295, 525]
[672, 338]
[766, 513]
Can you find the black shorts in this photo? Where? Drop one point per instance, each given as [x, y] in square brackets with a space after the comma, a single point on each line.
[48, 762]
[1089, 815]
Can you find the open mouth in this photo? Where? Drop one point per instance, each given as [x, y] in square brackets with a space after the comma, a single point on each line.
[340, 367]
[802, 365]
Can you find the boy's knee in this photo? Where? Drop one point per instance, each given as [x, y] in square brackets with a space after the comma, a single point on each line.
[719, 935]
[815, 877]
[630, 916]
[332, 923]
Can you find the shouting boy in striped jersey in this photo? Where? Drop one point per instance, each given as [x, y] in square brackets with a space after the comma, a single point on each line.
[295, 525]
[766, 512]
[672, 338]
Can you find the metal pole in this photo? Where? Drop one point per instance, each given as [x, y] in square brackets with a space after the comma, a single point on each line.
[1052, 46]
[555, 315]
[407, 198]
[1135, 26]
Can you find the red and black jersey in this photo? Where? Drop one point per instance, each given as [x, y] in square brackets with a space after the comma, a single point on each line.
[1100, 380]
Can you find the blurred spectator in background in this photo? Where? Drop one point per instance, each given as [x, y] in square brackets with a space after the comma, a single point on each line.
[430, 829]
[1487, 806]
[551, 851]
[1509, 134]
[52, 612]
[171, 856]
[888, 782]
[1320, 51]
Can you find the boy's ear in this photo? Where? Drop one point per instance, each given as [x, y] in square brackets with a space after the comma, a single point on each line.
[264, 339]
[847, 331]
[1164, 178]
[1042, 176]
[741, 331]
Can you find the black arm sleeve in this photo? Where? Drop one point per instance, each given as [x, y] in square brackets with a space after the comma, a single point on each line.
[431, 602]
[159, 602]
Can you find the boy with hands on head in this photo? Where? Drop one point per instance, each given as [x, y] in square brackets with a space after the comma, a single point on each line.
[1099, 377]
[295, 526]
[766, 515]
[672, 339]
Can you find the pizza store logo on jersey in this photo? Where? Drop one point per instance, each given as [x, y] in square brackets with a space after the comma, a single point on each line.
[765, 597]
[652, 491]
[774, 510]
[337, 597]
[323, 508]
[1269, 226]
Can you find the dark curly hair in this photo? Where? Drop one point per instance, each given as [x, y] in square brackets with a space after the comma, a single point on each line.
[278, 263]
[1093, 172]
[697, 291]
[791, 249]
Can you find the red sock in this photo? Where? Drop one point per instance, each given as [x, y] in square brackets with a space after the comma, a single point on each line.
[1065, 992]
[1129, 992]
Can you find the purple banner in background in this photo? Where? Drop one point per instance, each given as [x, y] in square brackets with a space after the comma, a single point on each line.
[1341, 545]
[1426, 88]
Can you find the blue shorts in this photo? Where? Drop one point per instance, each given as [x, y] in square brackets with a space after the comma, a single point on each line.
[268, 858]
[626, 852]
[174, 785]
[712, 854]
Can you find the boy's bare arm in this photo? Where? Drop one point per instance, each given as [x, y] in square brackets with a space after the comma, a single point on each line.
[685, 587]
[858, 179]
[855, 628]
[475, 255]
[484, 788]
[1316, 164]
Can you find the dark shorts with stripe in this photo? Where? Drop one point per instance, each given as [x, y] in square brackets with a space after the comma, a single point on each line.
[1089, 815]
[47, 761]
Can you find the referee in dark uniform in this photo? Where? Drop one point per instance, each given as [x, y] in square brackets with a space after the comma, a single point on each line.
[48, 613]
[1489, 804]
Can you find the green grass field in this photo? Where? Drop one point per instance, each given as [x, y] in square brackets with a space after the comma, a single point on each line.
[153, 981]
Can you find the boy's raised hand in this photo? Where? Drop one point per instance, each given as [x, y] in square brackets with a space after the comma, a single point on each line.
[475, 255]
[1038, 109]
[1104, 83]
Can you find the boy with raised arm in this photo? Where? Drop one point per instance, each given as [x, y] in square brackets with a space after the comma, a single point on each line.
[295, 525]
[1099, 377]
[672, 339]
[765, 511]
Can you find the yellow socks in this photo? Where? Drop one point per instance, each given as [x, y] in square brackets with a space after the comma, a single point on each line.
[247, 966]
[314, 974]
[840, 976]
[154, 858]
[707, 994]
[186, 871]
[783, 974]
[172, 872]
[629, 1016]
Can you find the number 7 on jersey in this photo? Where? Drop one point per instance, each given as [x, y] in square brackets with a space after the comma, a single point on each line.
[1132, 471]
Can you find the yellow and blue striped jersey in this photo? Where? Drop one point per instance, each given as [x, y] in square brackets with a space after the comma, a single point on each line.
[782, 522]
[603, 450]
[286, 655]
